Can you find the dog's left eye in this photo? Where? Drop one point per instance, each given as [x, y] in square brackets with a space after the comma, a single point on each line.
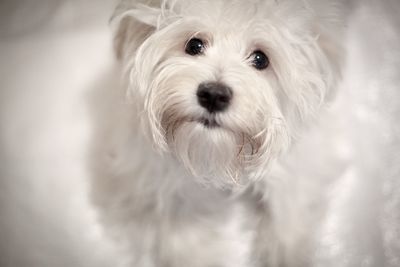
[194, 47]
[259, 60]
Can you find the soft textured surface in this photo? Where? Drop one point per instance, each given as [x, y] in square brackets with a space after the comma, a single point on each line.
[51, 54]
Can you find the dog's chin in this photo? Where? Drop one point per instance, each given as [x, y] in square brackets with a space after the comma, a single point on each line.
[208, 150]
[220, 153]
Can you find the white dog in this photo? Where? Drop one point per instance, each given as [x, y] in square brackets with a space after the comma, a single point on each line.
[200, 167]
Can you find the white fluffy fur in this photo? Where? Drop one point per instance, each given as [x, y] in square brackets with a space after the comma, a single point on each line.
[182, 194]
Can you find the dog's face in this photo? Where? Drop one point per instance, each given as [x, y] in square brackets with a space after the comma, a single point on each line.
[224, 85]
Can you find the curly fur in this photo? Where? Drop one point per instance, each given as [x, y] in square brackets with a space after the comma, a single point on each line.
[183, 194]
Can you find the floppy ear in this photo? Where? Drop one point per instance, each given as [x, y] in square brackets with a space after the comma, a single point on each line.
[133, 26]
[331, 39]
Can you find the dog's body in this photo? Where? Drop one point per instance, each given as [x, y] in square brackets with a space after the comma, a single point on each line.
[186, 180]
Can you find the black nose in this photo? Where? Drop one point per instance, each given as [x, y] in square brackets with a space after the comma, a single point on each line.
[214, 96]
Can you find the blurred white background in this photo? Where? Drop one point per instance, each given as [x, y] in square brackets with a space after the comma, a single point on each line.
[51, 54]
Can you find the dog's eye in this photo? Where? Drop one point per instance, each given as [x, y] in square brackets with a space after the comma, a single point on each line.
[259, 60]
[194, 47]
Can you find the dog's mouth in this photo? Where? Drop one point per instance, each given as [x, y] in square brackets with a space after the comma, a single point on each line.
[209, 122]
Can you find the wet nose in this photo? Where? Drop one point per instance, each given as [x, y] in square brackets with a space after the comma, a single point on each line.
[214, 96]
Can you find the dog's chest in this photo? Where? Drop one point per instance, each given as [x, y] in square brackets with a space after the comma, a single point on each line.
[210, 223]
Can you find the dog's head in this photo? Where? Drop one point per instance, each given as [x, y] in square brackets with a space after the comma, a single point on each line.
[224, 85]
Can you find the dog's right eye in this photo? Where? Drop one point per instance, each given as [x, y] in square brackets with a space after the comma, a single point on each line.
[194, 47]
[259, 60]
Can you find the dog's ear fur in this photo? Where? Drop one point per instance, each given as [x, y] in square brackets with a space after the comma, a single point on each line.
[133, 25]
[331, 37]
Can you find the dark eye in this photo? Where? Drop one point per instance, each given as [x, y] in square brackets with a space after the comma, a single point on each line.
[259, 60]
[194, 47]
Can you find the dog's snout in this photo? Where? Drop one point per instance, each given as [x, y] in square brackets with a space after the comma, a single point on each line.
[214, 96]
